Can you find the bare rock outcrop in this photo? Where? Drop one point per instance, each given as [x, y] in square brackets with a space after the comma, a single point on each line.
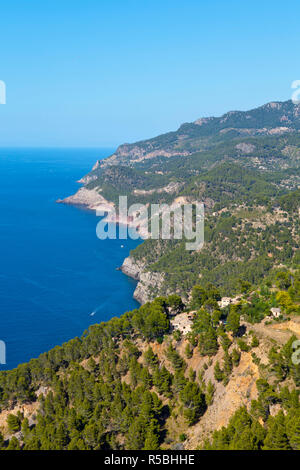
[132, 268]
[89, 198]
[149, 282]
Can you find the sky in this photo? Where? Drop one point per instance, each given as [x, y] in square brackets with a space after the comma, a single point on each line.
[96, 73]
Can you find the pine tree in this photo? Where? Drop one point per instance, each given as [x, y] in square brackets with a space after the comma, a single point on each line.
[243, 441]
[218, 373]
[233, 321]
[208, 342]
[235, 355]
[13, 444]
[210, 390]
[13, 423]
[25, 428]
[293, 428]
[152, 437]
[199, 296]
[188, 351]
[151, 359]
[276, 438]
[194, 402]
[227, 365]
[61, 437]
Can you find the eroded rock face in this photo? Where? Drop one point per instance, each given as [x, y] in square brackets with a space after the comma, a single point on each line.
[149, 282]
[245, 148]
[89, 198]
[132, 268]
[240, 391]
[148, 286]
[87, 179]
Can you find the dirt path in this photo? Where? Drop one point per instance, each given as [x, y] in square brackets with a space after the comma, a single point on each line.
[280, 332]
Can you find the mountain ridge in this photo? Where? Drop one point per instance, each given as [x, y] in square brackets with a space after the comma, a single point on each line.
[282, 117]
[237, 174]
[189, 368]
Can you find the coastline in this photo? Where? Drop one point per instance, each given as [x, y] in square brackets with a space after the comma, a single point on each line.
[93, 201]
[57, 266]
[149, 283]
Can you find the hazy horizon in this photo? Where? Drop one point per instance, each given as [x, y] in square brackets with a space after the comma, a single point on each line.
[98, 74]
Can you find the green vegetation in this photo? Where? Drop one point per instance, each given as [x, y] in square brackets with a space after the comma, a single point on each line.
[106, 390]
[134, 382]
[245, 432]
[245, 182]
[237, 254]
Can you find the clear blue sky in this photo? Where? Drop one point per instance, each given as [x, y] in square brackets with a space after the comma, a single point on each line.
[104, 72]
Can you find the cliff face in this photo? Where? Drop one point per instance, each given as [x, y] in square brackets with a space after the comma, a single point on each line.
[132, 268]
[149, 282]
[240, 391]
[148, 286]
[89, 198]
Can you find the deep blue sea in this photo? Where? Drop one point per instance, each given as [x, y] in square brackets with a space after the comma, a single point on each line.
[56, 276]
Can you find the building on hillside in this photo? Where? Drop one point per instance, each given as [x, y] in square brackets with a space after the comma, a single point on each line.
[275, 312]
[224, 302]
[182, 322]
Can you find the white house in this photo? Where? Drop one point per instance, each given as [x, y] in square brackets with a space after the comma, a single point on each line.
[276, 312]
[228, 300]
[182, 322]
[224, 302]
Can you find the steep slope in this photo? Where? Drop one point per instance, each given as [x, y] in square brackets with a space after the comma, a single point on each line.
[239, 166]
[142, 382]
[271, 119]
[255, 139]
[244, 241]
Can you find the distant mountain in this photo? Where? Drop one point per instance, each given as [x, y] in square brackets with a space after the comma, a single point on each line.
[266, 139]
[276, 118]
[240, 166]
[189, 368]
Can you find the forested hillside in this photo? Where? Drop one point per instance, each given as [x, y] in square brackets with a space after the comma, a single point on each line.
[205, 134]
[139, 382]
[193, 367]
[243, 241]
[241, 166]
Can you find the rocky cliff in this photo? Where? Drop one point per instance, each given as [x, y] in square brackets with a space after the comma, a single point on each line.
[88, 198]
[149, 283]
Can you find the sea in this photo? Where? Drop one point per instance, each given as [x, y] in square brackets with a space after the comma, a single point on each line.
[56, 277]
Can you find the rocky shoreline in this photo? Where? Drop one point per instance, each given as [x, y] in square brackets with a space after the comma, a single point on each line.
[149, 282]
[88, 198]
[91, 199]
